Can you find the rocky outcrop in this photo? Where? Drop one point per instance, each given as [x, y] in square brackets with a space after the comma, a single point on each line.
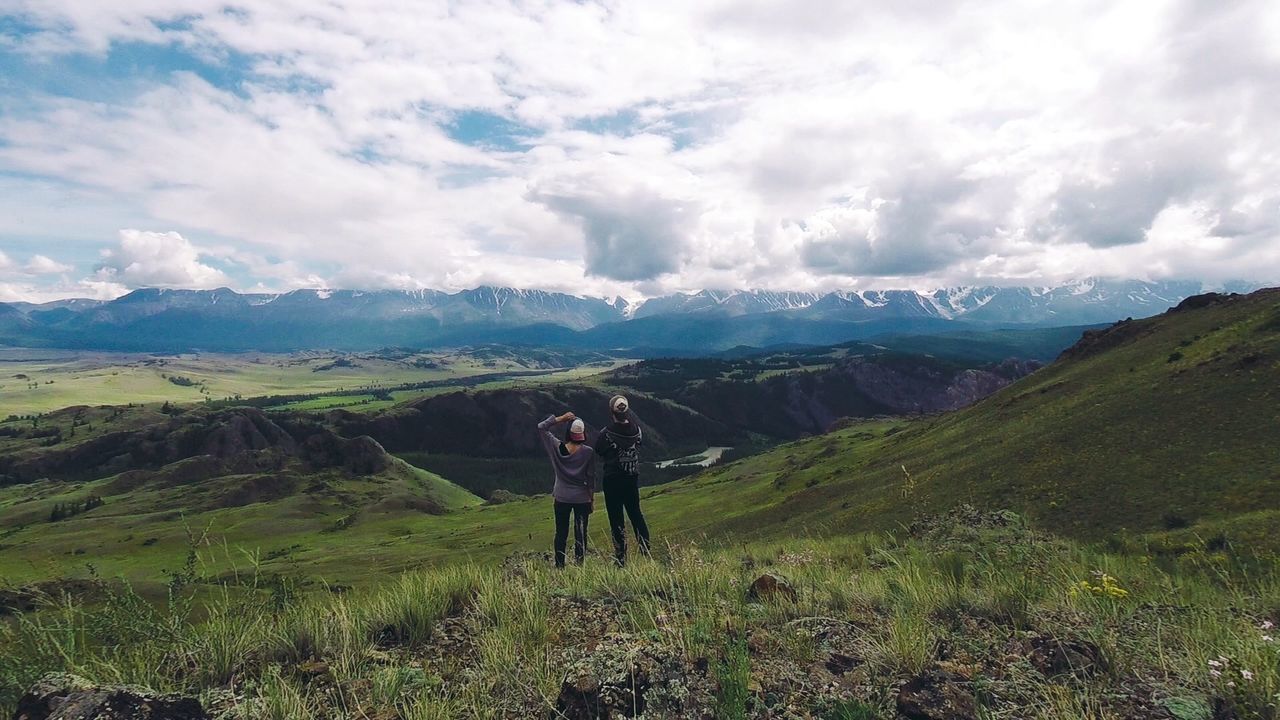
[60, 696]
[795, 404]
[198, 445]
[500, 423]
[1195, 302]
[358, 456]
[623, 677]
[1093, 342]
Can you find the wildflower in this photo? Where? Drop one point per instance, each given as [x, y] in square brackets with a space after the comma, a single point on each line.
[1246, 674]
[1268, 638]
[1266, 625]
[1231, 683]
[1215, 673]
[1107, 587]
[1215, 664]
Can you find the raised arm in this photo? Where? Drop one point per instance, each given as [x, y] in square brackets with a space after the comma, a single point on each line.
[545, 437]
[550, 441]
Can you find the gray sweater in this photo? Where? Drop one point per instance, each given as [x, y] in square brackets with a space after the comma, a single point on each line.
[575, 473]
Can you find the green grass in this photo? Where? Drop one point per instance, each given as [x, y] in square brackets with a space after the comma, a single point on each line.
[138, 533]
[37, 381]
[490, 640]
[66, 379]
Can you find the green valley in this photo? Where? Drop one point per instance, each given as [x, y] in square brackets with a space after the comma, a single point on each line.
[1149, 443]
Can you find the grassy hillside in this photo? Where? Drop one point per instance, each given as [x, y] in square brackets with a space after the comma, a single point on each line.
[1151, 425]
[134, 486]
[37, 381]
[970, 616]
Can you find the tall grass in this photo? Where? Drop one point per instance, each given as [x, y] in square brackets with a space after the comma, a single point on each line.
[1192, 627]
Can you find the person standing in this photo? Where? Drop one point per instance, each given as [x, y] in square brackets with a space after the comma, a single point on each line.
[618, 445]
[575, 482]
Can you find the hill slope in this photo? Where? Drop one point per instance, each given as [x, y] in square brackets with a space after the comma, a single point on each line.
[1147, 425]
[126, 490]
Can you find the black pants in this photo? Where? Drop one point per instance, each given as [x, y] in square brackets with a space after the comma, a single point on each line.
[622, 493]
[581, 513]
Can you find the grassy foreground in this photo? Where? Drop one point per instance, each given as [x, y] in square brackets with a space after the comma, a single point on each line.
[1028, 625]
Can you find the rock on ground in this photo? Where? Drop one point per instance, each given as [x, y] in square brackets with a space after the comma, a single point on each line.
[59, 696]
[771, 586]
[626, 677]
[1055, 656]
[937, 695]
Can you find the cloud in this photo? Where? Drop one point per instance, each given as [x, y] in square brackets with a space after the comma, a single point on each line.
[916, 228]
[5, 262]
[1132, 181]
[635, 147]
[630, 234]
[156, 259]
[44, 265]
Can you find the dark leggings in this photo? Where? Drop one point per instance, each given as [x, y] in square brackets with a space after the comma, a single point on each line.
[622, 493]
[581, 513]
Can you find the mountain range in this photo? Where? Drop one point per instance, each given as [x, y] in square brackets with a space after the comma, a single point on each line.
[155, 319]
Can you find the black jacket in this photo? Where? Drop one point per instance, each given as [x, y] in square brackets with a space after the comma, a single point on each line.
[618, 444]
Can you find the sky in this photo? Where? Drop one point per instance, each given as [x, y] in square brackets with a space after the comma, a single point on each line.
[634, 148]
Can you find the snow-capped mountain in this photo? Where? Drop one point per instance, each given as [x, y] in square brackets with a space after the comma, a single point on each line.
[160, 319]
[737, 302]
[1086, 301]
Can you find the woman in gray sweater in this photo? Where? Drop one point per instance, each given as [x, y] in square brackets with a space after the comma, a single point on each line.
[575, 481]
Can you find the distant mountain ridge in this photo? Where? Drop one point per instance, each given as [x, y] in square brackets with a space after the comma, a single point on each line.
[155, 319]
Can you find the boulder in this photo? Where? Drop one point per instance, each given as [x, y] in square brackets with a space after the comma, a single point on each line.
[59, 696]
[502, 497]
[771, 586]
[937, 694]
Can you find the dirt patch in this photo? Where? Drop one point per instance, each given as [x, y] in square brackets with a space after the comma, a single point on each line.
[29, 598]
[262, 488]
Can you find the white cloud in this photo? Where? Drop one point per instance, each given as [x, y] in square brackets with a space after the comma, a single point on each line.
[155, 259]
[44, 265]
[663, 145]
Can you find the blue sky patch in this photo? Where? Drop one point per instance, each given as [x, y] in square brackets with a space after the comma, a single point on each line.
[126, 68]
[477, 127]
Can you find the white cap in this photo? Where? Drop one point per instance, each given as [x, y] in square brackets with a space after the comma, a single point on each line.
[578, 430]
[618, 404]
